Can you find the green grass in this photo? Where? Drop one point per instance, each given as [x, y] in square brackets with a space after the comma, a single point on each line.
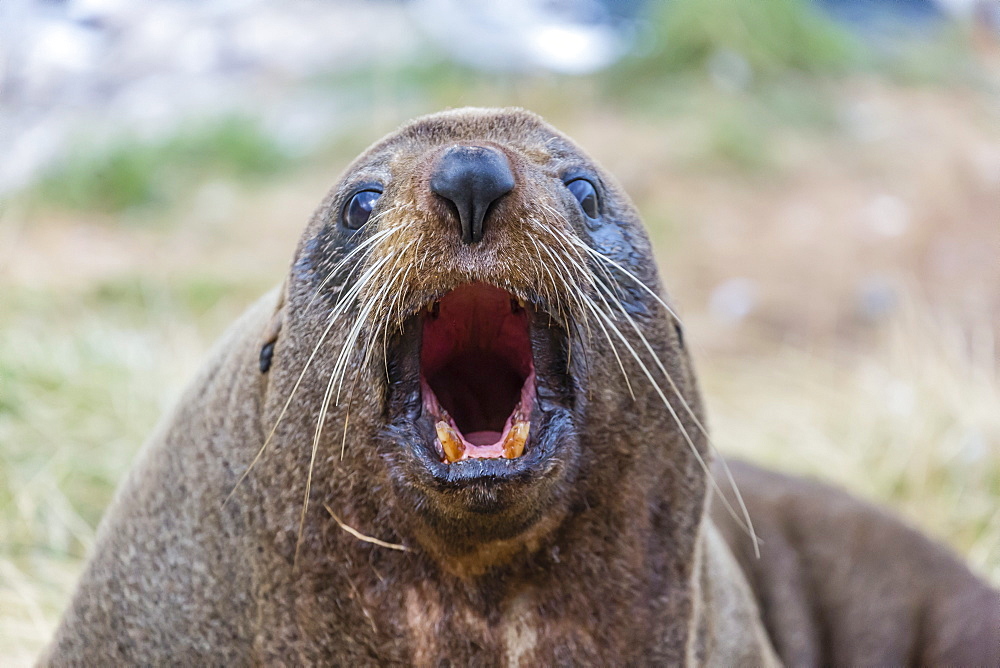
[132, 173]
[83, 378]
[774, 37]
[194, 296]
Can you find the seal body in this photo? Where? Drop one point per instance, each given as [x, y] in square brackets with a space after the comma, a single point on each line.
[464, 430]
[840, 582]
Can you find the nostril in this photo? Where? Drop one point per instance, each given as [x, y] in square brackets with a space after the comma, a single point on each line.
[472, 178]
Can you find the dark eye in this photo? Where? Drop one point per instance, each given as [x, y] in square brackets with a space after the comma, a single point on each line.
[359, 209]
[585, 193]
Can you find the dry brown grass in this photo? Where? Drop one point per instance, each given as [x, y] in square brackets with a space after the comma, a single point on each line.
[912, 422]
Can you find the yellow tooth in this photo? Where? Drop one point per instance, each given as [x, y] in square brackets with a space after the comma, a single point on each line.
[451, 442]
[513, 444]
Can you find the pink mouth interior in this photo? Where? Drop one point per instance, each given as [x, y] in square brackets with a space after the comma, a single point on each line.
[476, 368]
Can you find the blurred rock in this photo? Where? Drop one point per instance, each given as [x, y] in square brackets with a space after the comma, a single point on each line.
[900, 398]
[730, 71]
[864, 121]
[973, 447]
[733, 300]
[886, 216]
[877, 298]
[569, 37]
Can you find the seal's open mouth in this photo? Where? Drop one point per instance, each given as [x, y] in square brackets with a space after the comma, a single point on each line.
[479, 393]
[477, 374]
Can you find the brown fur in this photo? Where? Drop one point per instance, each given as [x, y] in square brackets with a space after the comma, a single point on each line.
[603, 556]
[843, 583]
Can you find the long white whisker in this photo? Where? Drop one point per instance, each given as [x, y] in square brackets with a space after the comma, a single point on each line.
[568, 276]
[351, 339]
[389, 320]
[745, 522]
[557, 304]
[284, 409]
[600, 256]
[378, 236]
[342, 304]
[659, 392]
[373, 306]
[337, 310]
[642, 286]
[547, 295]
[369, 347]
[340, 309]
[312, 462]
[344, 301]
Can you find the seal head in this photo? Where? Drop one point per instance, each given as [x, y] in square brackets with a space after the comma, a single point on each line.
[485, 282]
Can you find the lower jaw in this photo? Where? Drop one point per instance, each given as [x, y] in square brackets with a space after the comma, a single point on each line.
[411, 447]
[470, 514]
[453, 446]
[484, 484]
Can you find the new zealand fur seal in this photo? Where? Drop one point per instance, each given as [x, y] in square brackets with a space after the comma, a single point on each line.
[466, 431]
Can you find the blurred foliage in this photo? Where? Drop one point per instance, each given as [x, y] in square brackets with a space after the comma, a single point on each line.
[751, 66]
[782, 52]
[739, 142]
[944, 58]
[772, 36]
[73, 408]
[194, 296]
[130, 172]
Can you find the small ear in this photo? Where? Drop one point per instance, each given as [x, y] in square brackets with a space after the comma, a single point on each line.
[266, 354]
[271, 333]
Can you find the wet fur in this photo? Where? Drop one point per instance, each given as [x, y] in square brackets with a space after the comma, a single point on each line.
[607, 557]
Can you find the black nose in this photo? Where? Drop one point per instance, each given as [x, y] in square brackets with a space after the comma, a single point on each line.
[472, 178]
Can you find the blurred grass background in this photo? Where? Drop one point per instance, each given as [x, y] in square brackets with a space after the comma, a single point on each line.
[825, 214]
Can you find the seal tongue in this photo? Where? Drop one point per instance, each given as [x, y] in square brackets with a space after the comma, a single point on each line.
[483, 437]
[477, 373]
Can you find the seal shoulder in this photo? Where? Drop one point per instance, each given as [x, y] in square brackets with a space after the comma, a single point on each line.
[161, 582]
